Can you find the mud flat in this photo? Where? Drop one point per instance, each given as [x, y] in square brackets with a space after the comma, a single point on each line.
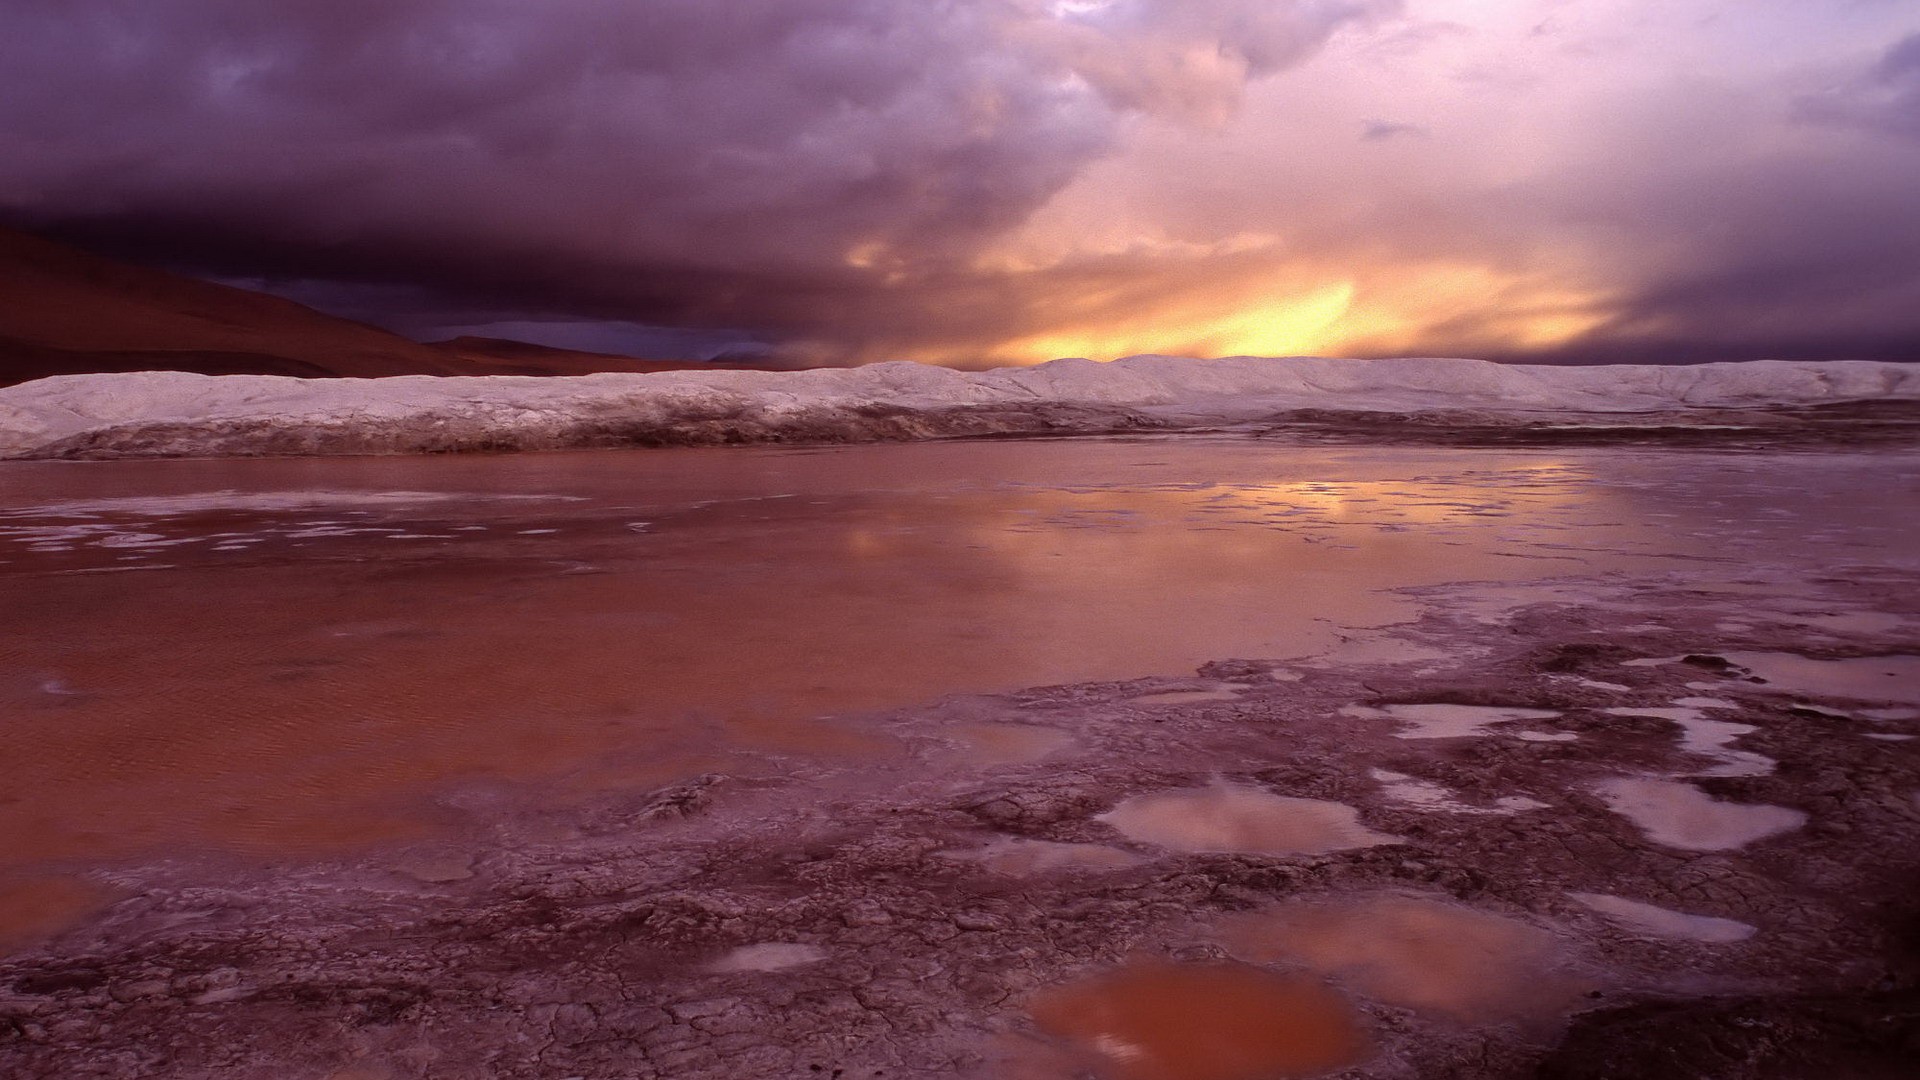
[1443, 844]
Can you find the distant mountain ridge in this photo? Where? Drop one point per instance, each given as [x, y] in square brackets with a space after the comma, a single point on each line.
[500, 356]
[64, 311]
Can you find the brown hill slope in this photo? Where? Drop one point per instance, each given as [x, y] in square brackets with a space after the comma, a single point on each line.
[64, 311]
[498, 356]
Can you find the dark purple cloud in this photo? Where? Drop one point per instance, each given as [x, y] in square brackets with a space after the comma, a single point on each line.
[677, 161]
[1885, 97]
[828, 174]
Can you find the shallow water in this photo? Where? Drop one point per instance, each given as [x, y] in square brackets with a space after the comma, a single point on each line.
[1437, 958]
[1227, 817]
[1865, 678]
[1682, 816]
[1161, 1021]
[284, 657]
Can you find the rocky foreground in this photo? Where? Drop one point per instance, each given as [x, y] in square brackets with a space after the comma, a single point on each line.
[1602, 829]
[174, 414]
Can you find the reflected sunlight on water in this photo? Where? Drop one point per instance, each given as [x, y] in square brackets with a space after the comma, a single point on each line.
[302, 655]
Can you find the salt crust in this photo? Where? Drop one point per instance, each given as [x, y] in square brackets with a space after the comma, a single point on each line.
[176, 413]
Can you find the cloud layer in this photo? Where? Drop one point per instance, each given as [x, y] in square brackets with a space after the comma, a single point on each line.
[980, 181]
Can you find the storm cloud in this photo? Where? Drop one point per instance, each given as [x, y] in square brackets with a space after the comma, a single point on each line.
[979, 181]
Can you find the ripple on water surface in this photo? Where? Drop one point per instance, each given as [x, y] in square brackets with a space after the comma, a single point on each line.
[1162, 1021]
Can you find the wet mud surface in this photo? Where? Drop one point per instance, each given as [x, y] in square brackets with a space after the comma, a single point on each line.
[1414, 846]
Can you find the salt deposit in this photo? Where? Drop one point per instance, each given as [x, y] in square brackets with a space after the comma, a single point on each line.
[175, 413]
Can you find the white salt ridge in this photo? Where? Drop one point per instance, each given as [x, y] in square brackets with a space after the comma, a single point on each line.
[173, 413]
[1661, 922]
[1863, 678]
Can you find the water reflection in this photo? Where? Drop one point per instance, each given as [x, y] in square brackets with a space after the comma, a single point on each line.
[1159, 1021]
[1226, 817]
[301, 655]
[1436, 958]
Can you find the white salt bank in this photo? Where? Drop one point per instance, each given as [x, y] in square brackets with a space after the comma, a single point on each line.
[1660, 922]
[1682, 816]
[173, 413]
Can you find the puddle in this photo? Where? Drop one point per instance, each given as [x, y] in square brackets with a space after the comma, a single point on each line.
[1162, 1021]
[1436, 958]
[1007, 744]
[1866, 678]
[768, 956]
[1707, 738]
[1227, 817]
[1660, 922]
[1020, 857]
[1454, 721]
[1682, 816]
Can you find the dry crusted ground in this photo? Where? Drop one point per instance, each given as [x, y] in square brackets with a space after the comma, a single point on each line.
[582, 943]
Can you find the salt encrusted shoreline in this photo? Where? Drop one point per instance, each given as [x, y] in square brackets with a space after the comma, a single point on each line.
[176, 414]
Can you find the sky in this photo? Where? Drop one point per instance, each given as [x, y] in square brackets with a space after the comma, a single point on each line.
[981, 182]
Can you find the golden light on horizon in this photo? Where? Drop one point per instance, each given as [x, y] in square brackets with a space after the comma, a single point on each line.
[1252, 304]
